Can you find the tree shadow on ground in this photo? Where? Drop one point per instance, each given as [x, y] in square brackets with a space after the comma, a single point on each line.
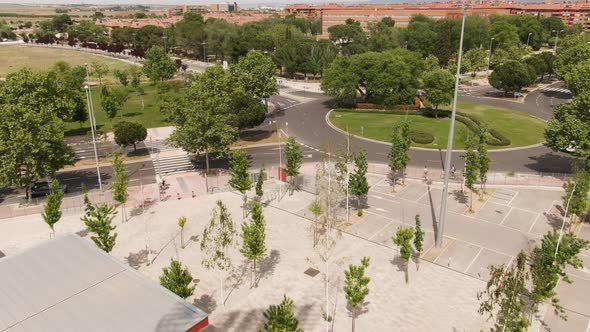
[558, 162]
[267, 265]
[139, 210]
[236, 277]
[131, 114]
[82, 233]
[460, 197]
[553, 220]
[399, 262]
[206, 303]
[2, 254]
[135, 260]
[363, 309]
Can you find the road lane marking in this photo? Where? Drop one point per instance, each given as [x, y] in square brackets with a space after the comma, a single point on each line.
[473, 260]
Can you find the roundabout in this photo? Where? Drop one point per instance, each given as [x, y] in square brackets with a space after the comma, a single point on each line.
[514, 128]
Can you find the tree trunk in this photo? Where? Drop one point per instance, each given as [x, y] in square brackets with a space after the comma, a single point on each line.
[207, 171]
[471, 199]
[407, 271]
[393, 180]
[181, 238]
[358, 206]
[353, 316]
[134, 147]
[245, 198]
[254, 274]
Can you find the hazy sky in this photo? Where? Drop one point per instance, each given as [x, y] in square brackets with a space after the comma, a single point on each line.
[173, 2]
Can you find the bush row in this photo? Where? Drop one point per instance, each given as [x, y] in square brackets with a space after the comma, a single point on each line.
[365, 106]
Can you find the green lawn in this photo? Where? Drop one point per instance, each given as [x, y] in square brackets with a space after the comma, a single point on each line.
[15, 57]
[521, 128]
[149, 114]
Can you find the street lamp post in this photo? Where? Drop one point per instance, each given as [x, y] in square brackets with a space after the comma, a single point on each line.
[556, 38]
[490, 56]
[443, 207]
[204, 52]
[528, 39]
[92, 127]
[280, 161]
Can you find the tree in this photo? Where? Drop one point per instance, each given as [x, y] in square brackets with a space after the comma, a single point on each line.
[281, 317]
[359, 186]
[568, 58]
[260, 182]
[253, 239]
[120, 193]
[158, 66]
[483, 162]
[402, 239]
[239, 177]
[356, 286]
[418, 240]
[181, 223]
[31, 145]
[88, 207]
[294, 160]
[255, 74]
[127, 133]
[575, 199]
[349, 37]
[439, 85]
[504, 296]
[52, 213]
[99, 222]
[420, 35]
[99, 69]
[122, 75]
[477, 58]
[578, 79]
[177, 279]
[548, 265]
[135, 74]
[203, 115]
[399, 156]
[571, 126]
[471, 169]
[110, 102]
[343, 159]
[512, 75]
[217, 238]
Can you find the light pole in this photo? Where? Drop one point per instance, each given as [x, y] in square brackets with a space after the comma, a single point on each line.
[556, 38]
[528, 39]
[490, 56]
[563, 222]
[443, 207]
[92, 126]
[147, 234]
[204, 52]
[287, 128]
[280, 161]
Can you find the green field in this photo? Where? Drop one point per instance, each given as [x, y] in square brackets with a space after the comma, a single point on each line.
[15, 57]
[521, 128]
[148, 114]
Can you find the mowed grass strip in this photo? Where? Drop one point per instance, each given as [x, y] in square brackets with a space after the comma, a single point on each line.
[141, 108]
[15, 57]
[521, 128]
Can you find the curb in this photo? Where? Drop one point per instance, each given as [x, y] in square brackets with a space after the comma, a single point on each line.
[327, 118]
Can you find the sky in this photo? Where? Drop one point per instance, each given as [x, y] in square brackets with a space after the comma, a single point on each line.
[176, 2]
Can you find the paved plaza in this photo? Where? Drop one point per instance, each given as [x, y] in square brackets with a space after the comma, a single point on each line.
[439, 297]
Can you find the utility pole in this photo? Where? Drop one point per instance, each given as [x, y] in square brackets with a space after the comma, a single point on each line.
[490, 55]
[443, 207]
[204, 52]
[528, 39]
[92, 127]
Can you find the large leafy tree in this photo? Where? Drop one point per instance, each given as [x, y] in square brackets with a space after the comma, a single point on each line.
[349, 37]
[420, 34]
[356, 286]
[177, 279]
[281, 317]
[571, 125]
[575, 199]
[32, 145]
[190, 33]
[99, 221]
[358, 183]
[52, 210]
[477, 58]
[399, 156]
[128, 133]
[254, 238]
[158, 66]
[55, 91]
[255, 74]
[439, 86]
[512, 76]
[578, 80]
[570, 57]
[503, 298]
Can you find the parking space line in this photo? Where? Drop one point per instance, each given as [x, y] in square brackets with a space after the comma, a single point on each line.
[473, 260]
[513, 197]
[534, 223]
[506, 216]
[379, 231]
[441, 253]
[419, 198]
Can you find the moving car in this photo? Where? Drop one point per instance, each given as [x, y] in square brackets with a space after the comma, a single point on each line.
[40, 189]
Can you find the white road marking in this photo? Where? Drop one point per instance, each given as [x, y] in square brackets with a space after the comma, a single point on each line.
[381, 210]
[473, 260]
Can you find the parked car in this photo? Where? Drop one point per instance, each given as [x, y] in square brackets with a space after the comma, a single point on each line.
[40, 189]
[518, 94]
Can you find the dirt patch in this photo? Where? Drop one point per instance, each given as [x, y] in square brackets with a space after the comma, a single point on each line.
[257, 137]
[478, 201]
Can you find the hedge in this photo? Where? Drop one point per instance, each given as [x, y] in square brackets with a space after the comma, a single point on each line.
[421, 137]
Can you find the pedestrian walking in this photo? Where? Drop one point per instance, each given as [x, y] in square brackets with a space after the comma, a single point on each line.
[425, 173]
[453, 169]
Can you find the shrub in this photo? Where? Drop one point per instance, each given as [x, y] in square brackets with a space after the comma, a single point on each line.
[421, 137]
[503, 140]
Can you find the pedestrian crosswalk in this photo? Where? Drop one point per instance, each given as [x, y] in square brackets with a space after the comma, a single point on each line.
[559, 90]
[173, 165]
[86, 151]
[155, 146]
